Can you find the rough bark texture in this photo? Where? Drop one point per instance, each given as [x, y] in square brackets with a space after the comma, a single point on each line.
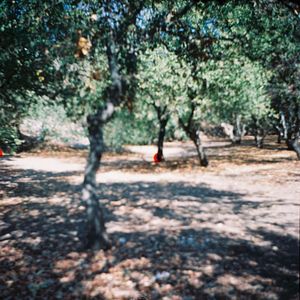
[95, 235]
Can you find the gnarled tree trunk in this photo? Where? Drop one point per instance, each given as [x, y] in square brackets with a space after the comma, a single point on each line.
[284, 125]
[95, 232]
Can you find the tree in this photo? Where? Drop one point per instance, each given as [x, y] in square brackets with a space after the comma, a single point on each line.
[121, 29]
[167, 85]
[190, 109]
[159, 86]
[33, 35]
[192, 129]
[20, 59]
[237, 97]
[284, 61]
[267, 32]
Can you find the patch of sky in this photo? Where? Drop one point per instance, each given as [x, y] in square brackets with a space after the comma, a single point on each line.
[210, 28]
[144, 17]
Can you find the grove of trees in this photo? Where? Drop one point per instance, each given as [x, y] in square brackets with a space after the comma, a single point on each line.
[172, 64]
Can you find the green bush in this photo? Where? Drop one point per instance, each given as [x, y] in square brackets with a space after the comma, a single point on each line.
[52, 123]
[9, 139]
[125, 128]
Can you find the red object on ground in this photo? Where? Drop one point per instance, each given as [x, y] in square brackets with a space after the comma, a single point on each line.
[156, 158]
[1, 152]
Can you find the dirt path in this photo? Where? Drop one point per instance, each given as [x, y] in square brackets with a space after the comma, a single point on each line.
[230, 231]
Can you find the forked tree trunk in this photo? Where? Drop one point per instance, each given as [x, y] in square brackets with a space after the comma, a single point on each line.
[230, 131]
[193, 132]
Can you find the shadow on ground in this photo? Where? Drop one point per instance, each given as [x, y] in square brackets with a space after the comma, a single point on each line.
[160, 251]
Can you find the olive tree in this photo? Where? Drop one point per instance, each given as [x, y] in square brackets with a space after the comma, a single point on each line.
[159, 86]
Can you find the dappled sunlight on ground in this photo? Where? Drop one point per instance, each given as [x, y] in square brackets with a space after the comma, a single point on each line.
[181, 231]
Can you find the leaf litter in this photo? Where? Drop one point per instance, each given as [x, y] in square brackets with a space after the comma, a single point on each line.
[180, 231]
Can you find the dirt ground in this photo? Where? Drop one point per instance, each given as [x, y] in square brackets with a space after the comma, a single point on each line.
[181, 231]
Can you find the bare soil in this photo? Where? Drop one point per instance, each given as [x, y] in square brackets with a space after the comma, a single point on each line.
[180, 231]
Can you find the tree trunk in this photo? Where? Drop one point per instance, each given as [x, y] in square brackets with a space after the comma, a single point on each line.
[95, 232]
[259, 137]
[161, 136]
[279, 138]
[193, 132]
[296, 145]
[279, 133]
[290, 140]
[200, 149]
[284, 125]
[230, 131]
[237, 130]
[287, 129]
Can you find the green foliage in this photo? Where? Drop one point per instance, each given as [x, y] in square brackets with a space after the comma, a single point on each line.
[158, 82]
[9, 139]
[127, 128]
[50, 122]
[136, 129]
[235, 87]
[221, 56]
